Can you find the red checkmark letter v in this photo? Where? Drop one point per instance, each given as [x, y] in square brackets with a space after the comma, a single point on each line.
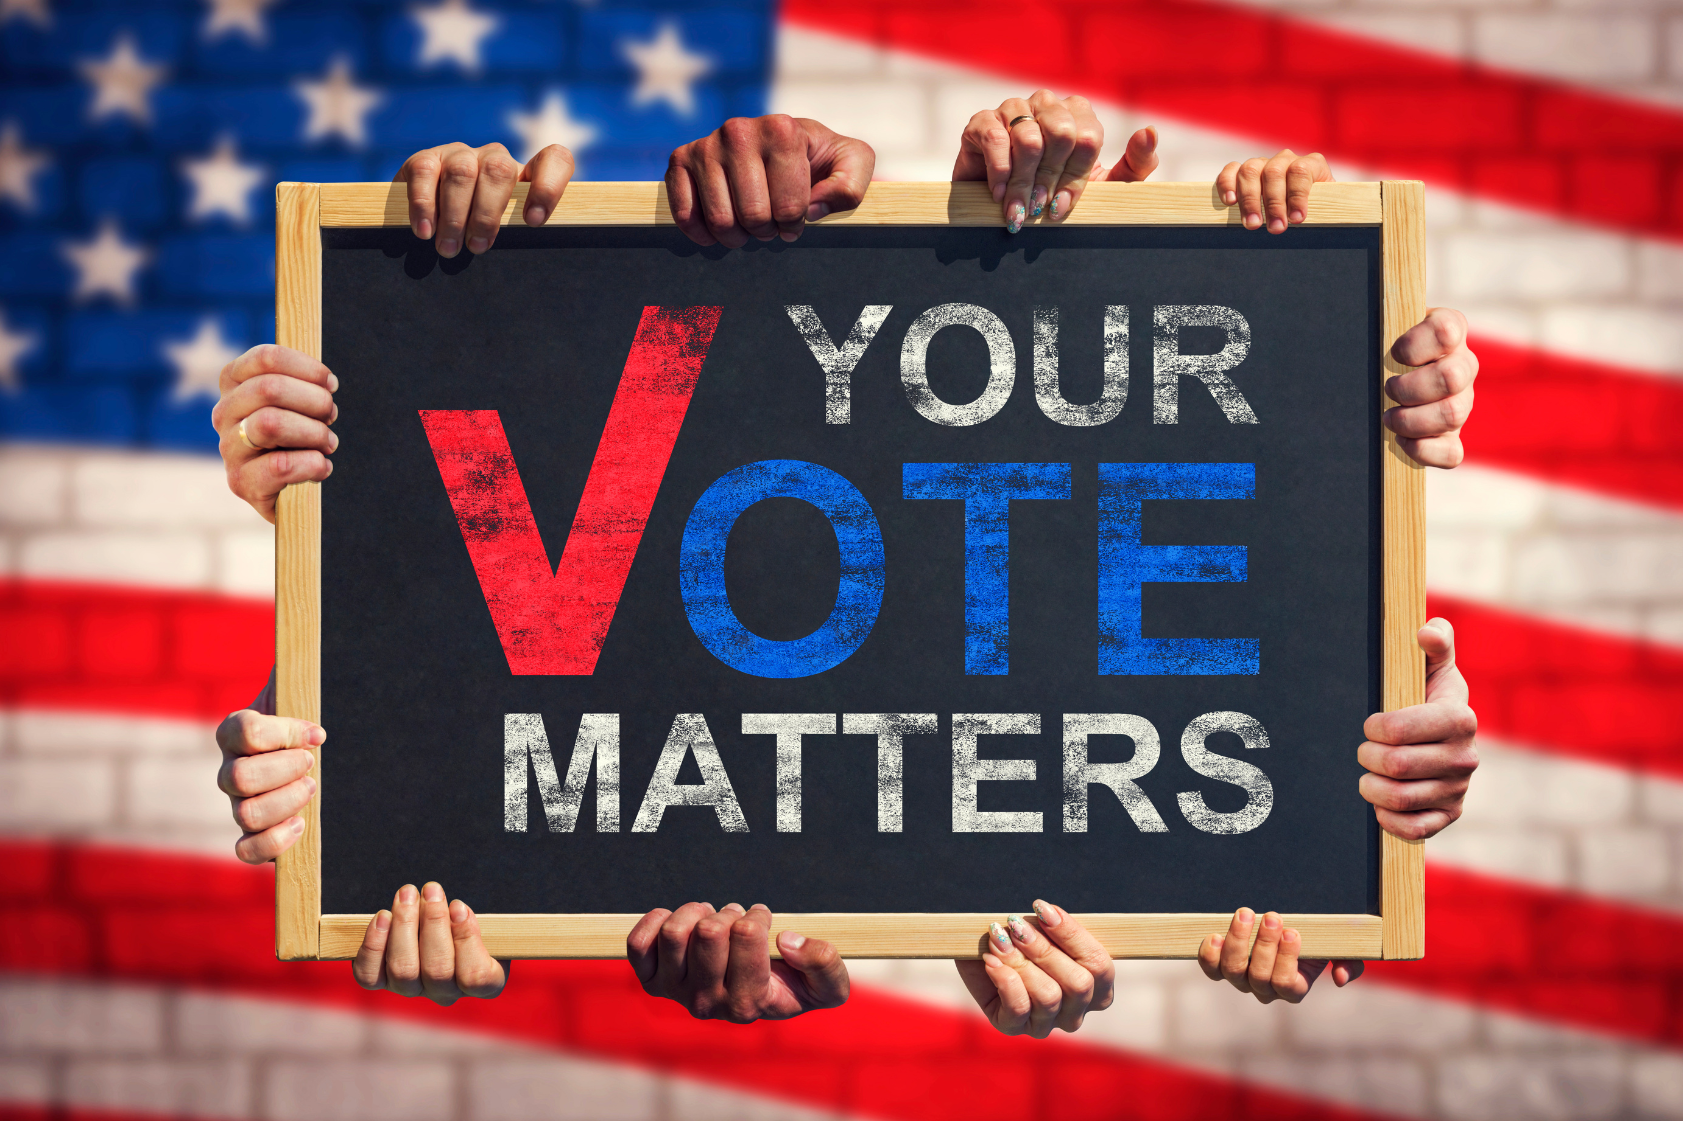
[555, 621]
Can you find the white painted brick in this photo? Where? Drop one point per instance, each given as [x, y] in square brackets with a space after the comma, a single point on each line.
[1659, 271]
[1571, 508]
[161, 1087]
[25, 1081]
[1473, 565]
[174, 791]
[94, 1019]
[245, 562]
[45, 732]
[1208, 1015]
[1372, 1018]
[1514, 324]
[1482, 500]
[1509, 1033]
[359, 1090]
[1496, 1087]
[1138, 1017]
[208, 1024]
[1591, 48]
[8, 732]
[34, 487]
[811, 54]
[397, 1038]
[1620, 335]
[147, 490]
[201, 840]
[891, 114]
[1664, 625]
[1569, 569]
[173, 559]
[1625, 862]
[538, 1089]
[689, 1098]
[1516, 786]
[1394, 1086]
[1656, 1085]
[1536, 856]
[56, 794]
[1534, 265]
[1437, 32]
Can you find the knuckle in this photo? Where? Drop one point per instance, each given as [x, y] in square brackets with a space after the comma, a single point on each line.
[462, 168]
[247, 815]
[499, 169]
[739, 132]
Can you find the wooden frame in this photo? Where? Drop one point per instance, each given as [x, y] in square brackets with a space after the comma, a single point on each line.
[302, 932]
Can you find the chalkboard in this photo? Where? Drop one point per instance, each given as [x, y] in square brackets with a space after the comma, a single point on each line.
[910, 567]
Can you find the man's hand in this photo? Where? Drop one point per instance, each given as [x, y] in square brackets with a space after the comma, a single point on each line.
[718, 964]
[1433, 400]
[273, 419]
[1275, 191]
[1420, 759]
[265, 773]
[764, 177]
[458, 193]
[1032, 980]
[1269, 970]
[425, 947]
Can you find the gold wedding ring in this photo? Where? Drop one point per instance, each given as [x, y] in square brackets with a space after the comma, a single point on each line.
[1024, 117]
[246, 440]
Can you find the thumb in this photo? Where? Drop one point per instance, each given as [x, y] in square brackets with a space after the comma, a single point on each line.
[1140, 158]
[846, 173]
[1437, 641]
[819, 964]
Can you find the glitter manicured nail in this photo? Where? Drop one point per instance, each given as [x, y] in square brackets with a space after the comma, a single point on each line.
[1039, 200]
[1019, 928]
[1049, 915]
[1014, 218]
[999, 936]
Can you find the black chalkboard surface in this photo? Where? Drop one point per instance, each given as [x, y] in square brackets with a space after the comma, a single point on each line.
[888, 562]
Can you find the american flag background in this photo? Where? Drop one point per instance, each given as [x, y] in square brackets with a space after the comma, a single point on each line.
[139, 144]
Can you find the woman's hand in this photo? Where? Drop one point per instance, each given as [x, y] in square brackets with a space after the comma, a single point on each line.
[458, 194]
[1435, 399]
[1033, 979]
[265, 773]
[1042, 152]
[717, 964]
[764, 177]
[273, 419]
[425, 947]
[1275, 191]
[1270, 970]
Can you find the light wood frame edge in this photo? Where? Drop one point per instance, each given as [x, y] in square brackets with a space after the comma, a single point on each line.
[1402, 864]
[302, 209]
[298, 570]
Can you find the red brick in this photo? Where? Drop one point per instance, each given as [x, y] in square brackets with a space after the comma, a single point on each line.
[1180, 41]
[47, 938]
[34, 641]
[222, 640]
[1296, 112]
[27, 871]
[123, 643]
[1540, 178]
[1623, 189]
[1386, 119]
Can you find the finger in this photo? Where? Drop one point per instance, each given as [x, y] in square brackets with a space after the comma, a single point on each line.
[1058, 133]
[248, 732]
[1263, 955]
[261, 479]
[682, 198]
[1443, 451]
[478, 974]
[268, 358]
[848, 165]
[820, 965]
[1343, 972]
[1027, 144]
[789, 186]
[1139, 158]
[984, 152]
[253, 815]
[420, 172]
[1443, 331]
[403, 955]
[456, 184]
[1437, 642]
[718, 208]
[1408, 797]
[1250, 193]
[1012, 1005]
[1434, 381]
[548, 172]
[1209, 955]
[278, 390]
[976, 979]
[1236, 949]
[1274, 190]
[640, 946]
[437, 947]
[1418, 826]
[1227, 183]
[1433, 722]
[268, 429]
[1287, 980]
[498, 172]
[1045, 996]
[1075, 983]
[1076, 941]
[673, 946]
[748, 966]
[1413, 762]
[369, 965]
[1436, 419]
[707, 962]
[1083, 159]
[1301, 175]
[246, 776]
[260, 848]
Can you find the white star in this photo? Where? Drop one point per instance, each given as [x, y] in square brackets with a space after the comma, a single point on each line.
[453, 30]
[199, 360]
[12, 347]
[337, 105]
[18, 167]
[106, 264]
[550, 125]
[123, 82]
[35, 11]
[245, 16]
[665, 70]
[222, 184]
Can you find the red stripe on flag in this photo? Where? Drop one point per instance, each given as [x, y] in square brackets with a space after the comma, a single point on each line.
[1614, 700]
[1578, 423]
[124, 915]
[133, 650]
[554, 621]
[1501, 135]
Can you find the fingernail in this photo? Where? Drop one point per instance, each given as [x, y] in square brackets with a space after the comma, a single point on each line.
[1220, 941]
[1252, 221]
[1049, 915]
[789, 940]
[478, 244]
[1061, 202]
[1297, 216]
[816, 211]
[1019, 928]
[297, 826]
[998, 191]
[1039, 200]
[448, 247]
[458, 912]
[1246, 914]
[317, 735]
[1276, 226]
[535, 216]
[432, 893]
[1014, 217]
[1290, 936]
[1230, 198]
[999, 936]
[383, 921]
[406, 894]
[310, 783]
[423, 229]
[332, 383]
[334, 446]
[1271, 921]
